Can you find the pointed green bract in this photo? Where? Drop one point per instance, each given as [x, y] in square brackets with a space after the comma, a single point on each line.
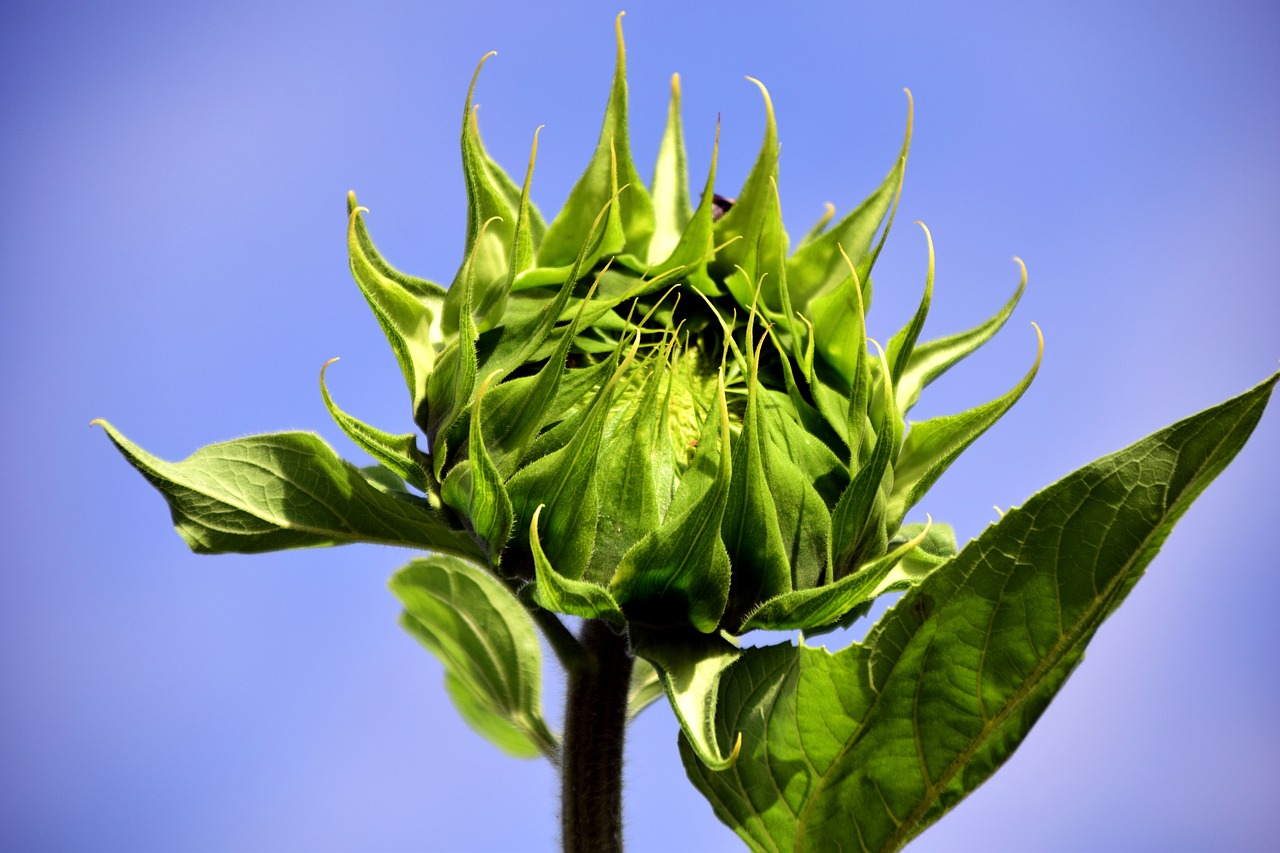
[672, 208]
[397, 452]
[555, 592]
[751, 527]
[409, 310]
[488, 645]
[491, 223]
[930, 360]
[476, 490]
[679, 574]
[932, 445]
[744, 220]
[903, 343]
[631, 219]
[565, 482]
[817, 267]
[860, 509]
[817, 607]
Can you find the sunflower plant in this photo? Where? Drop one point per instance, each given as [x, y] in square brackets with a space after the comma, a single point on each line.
[657, 414]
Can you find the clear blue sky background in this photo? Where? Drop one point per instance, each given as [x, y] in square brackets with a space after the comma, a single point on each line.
[174, 261]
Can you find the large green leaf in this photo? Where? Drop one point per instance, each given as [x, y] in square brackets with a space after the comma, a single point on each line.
[488, 645]
[864, 748]
[285, 490]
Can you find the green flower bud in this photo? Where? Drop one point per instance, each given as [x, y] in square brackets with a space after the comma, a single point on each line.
[654, 410]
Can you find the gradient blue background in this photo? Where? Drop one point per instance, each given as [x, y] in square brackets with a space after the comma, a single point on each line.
[173, 260]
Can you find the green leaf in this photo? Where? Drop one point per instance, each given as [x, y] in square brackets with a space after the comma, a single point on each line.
[679, 574]
[866, 747]
[690, 667]
[930, 360]
[553, 591]
[631, 219]
[285, 490]
[398, 452]
[932, 445]
[672, 208]
[488, 645]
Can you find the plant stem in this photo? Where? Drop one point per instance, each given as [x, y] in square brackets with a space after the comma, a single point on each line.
[595, 721]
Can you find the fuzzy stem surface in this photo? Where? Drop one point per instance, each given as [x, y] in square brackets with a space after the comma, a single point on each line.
[594, 734]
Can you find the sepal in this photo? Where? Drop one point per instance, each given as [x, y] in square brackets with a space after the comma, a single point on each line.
[690, 666]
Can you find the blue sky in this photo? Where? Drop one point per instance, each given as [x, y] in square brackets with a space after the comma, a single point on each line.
[175, 262]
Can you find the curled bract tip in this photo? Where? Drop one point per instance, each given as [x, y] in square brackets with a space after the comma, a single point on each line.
[1040, 335]
[764, 91]
[1017, 260]
[737, 748]
[325, 366]
[98, 422]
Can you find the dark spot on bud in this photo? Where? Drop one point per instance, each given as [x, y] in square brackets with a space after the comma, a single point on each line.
[720, 206]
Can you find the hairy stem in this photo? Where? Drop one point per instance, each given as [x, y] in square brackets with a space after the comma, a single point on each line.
[594, 730]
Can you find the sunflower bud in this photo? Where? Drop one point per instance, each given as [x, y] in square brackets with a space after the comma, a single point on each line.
[658, 414]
